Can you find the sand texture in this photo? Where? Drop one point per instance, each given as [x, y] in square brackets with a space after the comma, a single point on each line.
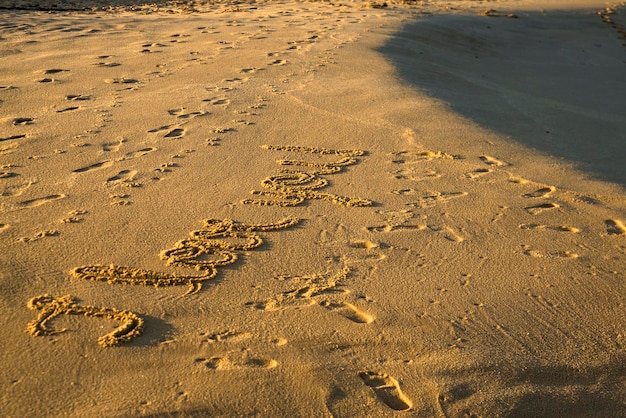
[313, 209]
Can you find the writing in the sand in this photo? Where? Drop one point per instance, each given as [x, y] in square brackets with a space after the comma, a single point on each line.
[293, 187]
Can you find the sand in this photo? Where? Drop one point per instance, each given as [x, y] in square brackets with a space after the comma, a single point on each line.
[313, 209]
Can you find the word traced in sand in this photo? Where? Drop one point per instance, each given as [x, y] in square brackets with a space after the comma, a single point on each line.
[291, 188]
[52, 307]
[207, 249]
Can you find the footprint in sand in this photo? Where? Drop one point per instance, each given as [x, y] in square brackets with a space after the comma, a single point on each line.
[387, 389]
[175, 133]
[95, 166]
[23, 121]
[493, 161]
[537, 209]
[543, 192]
[479, 172]
[348, 311]
[225, 363]
[124, 177]
[68, 109]
[615, 227]
[77, 97]
[12, 137]
[181, 114]
[435, 198]
[33, 203]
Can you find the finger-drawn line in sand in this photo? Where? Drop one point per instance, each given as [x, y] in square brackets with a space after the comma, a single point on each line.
[208, 248]
[291, 188]
[310, 289]
[50, 307]
[387, 389]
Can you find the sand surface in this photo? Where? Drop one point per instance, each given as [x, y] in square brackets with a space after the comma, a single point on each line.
[307, 209]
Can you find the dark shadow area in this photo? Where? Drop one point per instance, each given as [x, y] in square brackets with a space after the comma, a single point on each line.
[555, 82]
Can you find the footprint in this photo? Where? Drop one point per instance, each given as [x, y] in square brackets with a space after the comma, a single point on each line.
[67, 109]
[77, 97]
[543, 192]
[435, 198]
[54, 71]
[121, 80]
[101, 164]
[387, 389]
[113, 146]
[32, 203]
[12, 137]
[278, 62]
[615, 227]
[349, 311]
[479, 172]
[225, 363]
[493, 161]
[536, 210]
[137, 154]
[124, 176]
[175, 133]
[23, 121]
[107, 64]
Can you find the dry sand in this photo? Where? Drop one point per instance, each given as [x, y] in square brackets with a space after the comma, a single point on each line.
[312, 209]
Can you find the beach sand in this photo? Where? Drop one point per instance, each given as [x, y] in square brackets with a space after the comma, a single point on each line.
[313, 209]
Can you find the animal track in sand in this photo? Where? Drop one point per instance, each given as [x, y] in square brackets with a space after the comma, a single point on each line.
[211, 247]
[51, 307]
[542, 192]
[291, 188]
[387, 389]
[615, 227]
[537, 209]
[493, 161]
[33, 203]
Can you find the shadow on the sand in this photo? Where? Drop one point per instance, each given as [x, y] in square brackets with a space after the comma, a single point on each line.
[555, 82]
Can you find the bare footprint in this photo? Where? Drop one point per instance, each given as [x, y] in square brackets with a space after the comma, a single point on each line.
[493, 161]
[543, 192]
[537, 209]
[32, 203]
[615, 227]
[95, 166]
[387, 389]
[349, 311]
